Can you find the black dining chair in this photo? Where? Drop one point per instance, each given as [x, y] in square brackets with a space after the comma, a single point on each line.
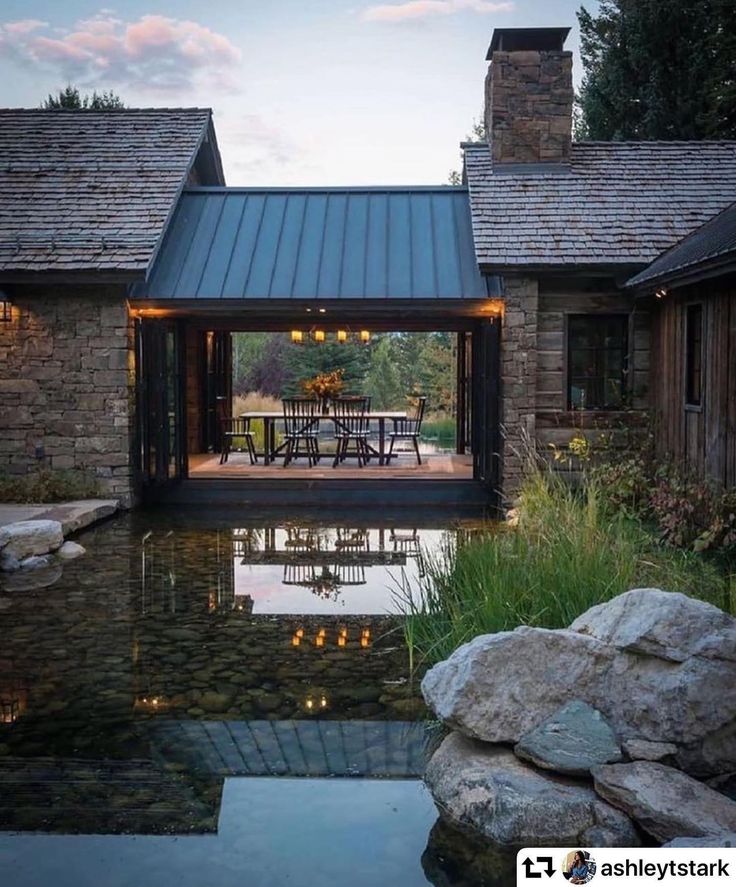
[234, 429]
[408, 429]
[350, 415]
[301, 426]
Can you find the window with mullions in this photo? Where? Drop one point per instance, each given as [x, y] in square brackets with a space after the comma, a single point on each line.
[597, 357]
[694, 356]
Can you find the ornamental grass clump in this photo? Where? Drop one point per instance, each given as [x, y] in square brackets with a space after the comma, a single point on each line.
[568, 553]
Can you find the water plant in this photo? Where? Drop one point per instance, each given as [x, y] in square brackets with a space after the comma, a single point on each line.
[568, 552]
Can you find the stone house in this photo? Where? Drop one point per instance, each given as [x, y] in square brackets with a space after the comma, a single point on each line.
[125, 263]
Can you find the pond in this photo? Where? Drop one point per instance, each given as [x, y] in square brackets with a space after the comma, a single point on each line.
[192, 686]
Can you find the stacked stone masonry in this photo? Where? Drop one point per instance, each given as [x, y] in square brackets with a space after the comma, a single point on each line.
[518, 378]
[529, 97]
[67, 394]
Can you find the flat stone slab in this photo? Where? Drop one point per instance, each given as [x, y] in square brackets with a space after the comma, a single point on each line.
[665, 802]
[487, 789]
[573, 740]
[73, 516]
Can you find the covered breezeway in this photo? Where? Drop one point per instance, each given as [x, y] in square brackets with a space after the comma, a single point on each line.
[383, 261]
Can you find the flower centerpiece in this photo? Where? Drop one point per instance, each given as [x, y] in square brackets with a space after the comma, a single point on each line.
[325, 386]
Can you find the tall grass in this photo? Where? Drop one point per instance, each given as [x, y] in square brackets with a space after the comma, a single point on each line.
[567, 554]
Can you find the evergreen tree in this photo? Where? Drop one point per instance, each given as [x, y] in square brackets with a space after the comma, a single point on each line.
[383, 382]
[305, 361]
[70, 99]
[658, 69]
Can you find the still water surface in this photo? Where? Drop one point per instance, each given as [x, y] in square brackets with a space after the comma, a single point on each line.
[161, 695]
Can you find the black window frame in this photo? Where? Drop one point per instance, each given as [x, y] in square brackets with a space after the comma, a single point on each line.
[598, 351]
[694, 355]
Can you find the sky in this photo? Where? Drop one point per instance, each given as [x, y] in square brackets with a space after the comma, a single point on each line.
[304, 92]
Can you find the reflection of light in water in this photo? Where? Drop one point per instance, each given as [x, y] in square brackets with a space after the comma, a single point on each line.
[9, 711]
[315, 703]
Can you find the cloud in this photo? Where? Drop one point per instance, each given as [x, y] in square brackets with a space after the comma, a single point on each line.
[155, 53]
[414, 10]
[25, 26]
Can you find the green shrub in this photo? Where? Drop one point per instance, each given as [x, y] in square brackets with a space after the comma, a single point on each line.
[47, 485]
[568, 553]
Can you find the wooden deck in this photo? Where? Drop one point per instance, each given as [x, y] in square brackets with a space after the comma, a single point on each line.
[433, 467]
[441, 481]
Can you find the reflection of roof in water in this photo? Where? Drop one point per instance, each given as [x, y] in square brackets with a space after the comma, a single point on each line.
[309, 747]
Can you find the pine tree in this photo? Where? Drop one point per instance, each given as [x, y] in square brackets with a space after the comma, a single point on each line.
[70, 99]
[658, 69]
[383, 382]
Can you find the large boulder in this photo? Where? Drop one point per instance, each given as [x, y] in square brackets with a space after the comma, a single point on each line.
[488, 789]
[573, 741]
[725, 840]
[665, 802]
[667, 677]
[664, 624]
[498, 687]
[27, 538]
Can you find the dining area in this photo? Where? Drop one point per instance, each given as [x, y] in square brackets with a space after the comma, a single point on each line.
[324, 431]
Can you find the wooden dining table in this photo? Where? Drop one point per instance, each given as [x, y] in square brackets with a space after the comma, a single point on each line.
[270, 419]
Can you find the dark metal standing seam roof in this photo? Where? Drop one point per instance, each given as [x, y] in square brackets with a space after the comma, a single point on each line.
[331, 243]
[708, 248]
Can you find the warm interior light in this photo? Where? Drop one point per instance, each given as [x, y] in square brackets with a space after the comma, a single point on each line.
[319, 641]
[297, 337]
[300, 632]
[365, 336]
[342, 641]
[323, 311]
[6, 309]
[296, 640]
[342, 336]
[661, 292]
[319, 335]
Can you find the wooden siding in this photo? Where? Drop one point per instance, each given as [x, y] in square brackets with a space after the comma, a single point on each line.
[703, 438]
[555, 424]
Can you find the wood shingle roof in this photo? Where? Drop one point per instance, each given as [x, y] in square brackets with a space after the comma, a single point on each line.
[89, 191]
[619, 204]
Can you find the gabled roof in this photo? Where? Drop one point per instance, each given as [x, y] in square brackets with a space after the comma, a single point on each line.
[618, 204]
[91, 191]
[318, 243]
[709, 250]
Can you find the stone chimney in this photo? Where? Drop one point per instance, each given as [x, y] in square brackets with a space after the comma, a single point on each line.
[529, 96]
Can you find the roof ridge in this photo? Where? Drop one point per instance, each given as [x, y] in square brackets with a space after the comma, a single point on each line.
[121, 111]
[323, 189]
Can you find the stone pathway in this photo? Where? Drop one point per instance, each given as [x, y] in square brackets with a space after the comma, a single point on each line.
[72, 516]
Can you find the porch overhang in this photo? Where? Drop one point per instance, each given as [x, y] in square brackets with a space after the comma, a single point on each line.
[229, 247]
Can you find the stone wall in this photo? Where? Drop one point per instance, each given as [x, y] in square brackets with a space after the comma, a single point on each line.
[67, 385]
[518, 378]
[529, 98]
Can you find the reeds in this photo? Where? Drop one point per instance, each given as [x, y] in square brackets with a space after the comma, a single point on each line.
[567, 554]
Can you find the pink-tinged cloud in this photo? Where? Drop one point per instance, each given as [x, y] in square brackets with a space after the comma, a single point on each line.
[414, 10]
[25, 26]
[154, 53]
